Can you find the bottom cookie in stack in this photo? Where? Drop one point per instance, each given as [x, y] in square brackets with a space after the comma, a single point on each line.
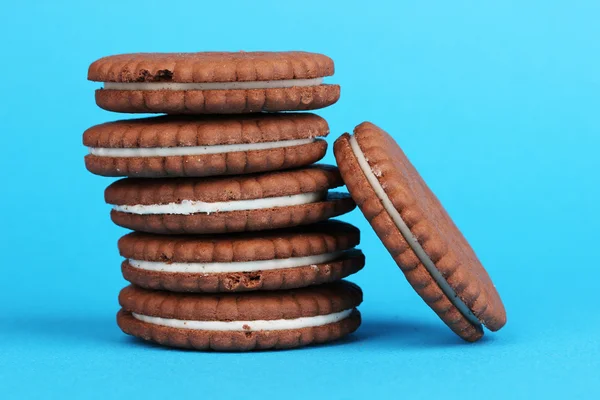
[241, 321]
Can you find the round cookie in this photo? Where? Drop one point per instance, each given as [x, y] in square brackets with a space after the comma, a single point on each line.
[272, 260]
[213, 82]
[241, 321]
[205, 146]
[239, 203]
[418, 232]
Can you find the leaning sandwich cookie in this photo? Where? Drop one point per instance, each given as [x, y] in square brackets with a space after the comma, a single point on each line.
[214, 82]
[270, 260]
[241, 321]
[239, 203]
[199, 146]
[417, 231]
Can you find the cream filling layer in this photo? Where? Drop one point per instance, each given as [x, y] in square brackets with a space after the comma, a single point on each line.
[246, 326]
[195, 150]
[187, 207]
[408, 236]
[275, 84]
[243, 266]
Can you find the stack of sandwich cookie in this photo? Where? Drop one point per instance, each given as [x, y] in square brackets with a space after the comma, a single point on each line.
[232, 250]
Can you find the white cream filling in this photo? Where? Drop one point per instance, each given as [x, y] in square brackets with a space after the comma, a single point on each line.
[284, 83]
[247, 326]
[241, 266]
[408, 236]
[194, 150]
[187, 207]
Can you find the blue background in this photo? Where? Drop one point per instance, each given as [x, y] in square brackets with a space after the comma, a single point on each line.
[496, 103]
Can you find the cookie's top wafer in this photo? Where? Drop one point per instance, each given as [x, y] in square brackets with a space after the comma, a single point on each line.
[211, 67]
[185, 131]
[417, 231]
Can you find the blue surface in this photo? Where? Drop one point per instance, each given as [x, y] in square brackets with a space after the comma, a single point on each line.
[496, 105]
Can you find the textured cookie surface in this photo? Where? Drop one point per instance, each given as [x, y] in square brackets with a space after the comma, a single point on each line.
[214, 68]
[318, 239]
[183, 133]
[274, 184]
[429, 224]
[210, 67]
[303, 303]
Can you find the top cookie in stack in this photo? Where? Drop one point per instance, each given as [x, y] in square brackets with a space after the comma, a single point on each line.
[244, 168]
[214, 82]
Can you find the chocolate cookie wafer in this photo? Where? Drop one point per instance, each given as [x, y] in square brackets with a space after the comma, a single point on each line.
[214, 82]
[228, 204]
[418, 232]
[241, 321]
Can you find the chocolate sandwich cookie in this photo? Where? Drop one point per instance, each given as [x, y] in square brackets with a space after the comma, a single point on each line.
[205, 145]
[213, 82]
[241, 321]
[228, 204]
[418, 232]
[280, 259]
